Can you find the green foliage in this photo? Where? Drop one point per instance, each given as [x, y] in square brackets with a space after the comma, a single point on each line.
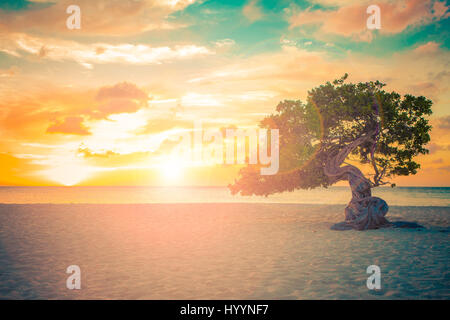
[334, 115]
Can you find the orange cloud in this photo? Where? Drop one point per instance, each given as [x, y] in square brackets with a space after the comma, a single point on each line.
[70, 125]
[97, 17]
[29, 115]
[120, 98]
[429, 47]
[444, 122]
[26, 113]
[121, 90]
[350, 20]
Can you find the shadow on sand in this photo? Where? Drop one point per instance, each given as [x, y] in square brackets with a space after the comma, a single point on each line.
[342, 226]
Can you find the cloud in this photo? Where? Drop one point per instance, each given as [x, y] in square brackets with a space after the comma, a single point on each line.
[70, 125]
[429, 47]
[27, 115]
[160, 125]
[444, 122]
[97, 53]
[252, 11]
[102, 17]
[194, 99]
[120, 98]
[117, 106]
[433, 147]
[26, 112]
[113, 158]
[446, 168]
[290, 73]
[10, 72]
[426, 87]
[339, 3]
[224, 43]
[349, 20]
[108, 158]
[122, 90]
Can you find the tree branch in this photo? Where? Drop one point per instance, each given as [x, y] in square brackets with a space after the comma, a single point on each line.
[333, 167]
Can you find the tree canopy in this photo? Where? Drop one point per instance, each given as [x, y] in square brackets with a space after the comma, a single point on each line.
[334, 115]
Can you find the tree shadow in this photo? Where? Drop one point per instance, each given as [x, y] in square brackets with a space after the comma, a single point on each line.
[343, 226]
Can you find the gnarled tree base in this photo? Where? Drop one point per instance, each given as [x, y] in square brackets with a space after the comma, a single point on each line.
[364, 215]
[367, 214]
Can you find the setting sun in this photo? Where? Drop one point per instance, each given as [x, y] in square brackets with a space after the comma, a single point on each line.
[172, 170]
[68, 175]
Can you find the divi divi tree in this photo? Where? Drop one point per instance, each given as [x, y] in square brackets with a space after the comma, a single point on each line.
[342, 130]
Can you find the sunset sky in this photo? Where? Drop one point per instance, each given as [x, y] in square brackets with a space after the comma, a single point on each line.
[99, 105]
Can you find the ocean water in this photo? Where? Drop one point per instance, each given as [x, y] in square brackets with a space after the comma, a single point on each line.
[399, 196]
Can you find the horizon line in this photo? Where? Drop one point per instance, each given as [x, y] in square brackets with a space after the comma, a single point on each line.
[193, 186]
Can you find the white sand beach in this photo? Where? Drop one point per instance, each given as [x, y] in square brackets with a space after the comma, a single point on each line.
[218, 251]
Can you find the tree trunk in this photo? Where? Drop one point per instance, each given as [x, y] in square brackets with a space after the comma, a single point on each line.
[363, 211]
